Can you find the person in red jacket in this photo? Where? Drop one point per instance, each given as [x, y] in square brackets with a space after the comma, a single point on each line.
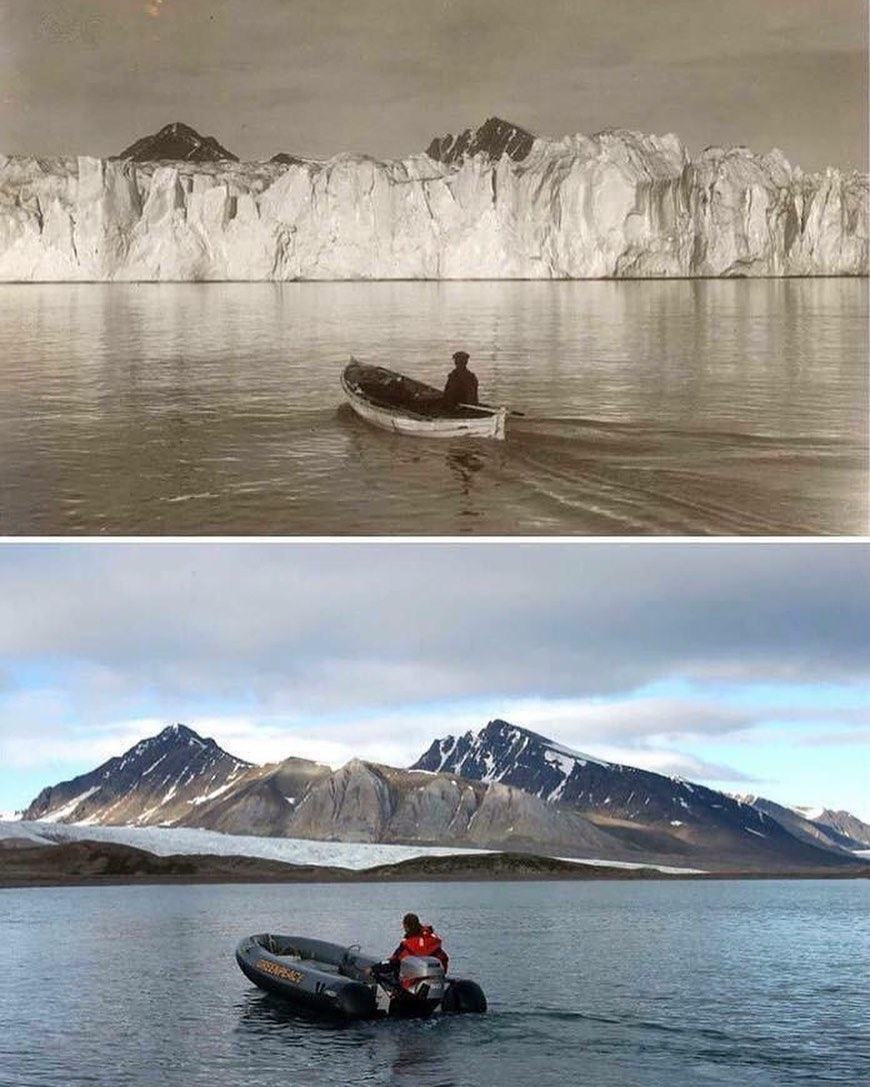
[419, 940]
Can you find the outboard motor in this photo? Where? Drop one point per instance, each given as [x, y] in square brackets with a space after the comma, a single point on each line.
[422, 979]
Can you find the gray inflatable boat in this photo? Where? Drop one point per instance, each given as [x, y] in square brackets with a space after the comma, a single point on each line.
[342, 981]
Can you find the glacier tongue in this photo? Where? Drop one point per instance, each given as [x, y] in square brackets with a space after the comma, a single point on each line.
[617, 204]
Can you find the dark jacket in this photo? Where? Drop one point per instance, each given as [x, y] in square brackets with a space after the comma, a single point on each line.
[461, 388]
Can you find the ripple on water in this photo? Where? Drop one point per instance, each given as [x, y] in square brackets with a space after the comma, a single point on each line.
[692, 408]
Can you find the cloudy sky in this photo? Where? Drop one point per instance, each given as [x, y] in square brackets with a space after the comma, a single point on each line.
[744, 666]
[316, 77]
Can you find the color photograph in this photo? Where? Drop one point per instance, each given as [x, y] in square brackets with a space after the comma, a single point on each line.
[435, 813]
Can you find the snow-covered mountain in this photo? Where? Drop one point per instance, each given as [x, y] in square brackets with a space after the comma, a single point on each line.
[487, 204]
[663, 814]
[158, 781]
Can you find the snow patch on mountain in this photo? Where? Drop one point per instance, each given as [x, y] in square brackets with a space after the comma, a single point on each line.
[65, 810]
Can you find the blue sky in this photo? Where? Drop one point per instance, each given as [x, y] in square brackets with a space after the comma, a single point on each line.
[744, 666]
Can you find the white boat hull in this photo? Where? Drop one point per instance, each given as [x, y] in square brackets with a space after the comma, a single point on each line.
[402, 422]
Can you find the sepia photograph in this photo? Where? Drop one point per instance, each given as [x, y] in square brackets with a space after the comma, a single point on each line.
[434, 267]
[434, 543]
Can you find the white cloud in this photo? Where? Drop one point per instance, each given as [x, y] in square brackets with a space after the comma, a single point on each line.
[326, 627]
[329, 651]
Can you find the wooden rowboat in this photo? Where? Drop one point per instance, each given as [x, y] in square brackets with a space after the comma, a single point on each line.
[394, 402]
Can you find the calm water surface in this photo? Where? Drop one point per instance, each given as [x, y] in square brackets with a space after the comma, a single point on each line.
[652, 407]
[611, 985]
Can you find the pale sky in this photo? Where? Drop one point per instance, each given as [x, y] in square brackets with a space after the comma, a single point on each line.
[315, 77]
[743, 666]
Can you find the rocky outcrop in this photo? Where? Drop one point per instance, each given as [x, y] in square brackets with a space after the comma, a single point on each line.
[352, 805]
[616, 204]
[366, 802]
[262, 802]
[493, 139]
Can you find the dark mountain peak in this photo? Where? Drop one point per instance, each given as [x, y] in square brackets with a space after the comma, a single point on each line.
[181, 734]
[178, 731]
[283, 159]
[175, 737]
[640, 804]
[177, 142]
[176, 744]
[180, 130]
[494, 138]
[495, 126]
[496, 750]
[155, 780]
[500, 729]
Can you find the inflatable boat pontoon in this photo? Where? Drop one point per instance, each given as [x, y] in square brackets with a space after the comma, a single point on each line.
[342, 981]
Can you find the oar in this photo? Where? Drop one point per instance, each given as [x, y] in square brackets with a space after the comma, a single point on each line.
[489, 407]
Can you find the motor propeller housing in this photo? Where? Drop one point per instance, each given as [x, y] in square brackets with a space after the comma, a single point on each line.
[423, 977]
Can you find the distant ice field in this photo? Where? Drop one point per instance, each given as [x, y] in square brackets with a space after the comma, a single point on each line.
[168, 840]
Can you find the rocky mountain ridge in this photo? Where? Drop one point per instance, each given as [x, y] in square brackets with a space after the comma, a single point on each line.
[807, 827]
[179, 779]
[503, 788]
[660, 813]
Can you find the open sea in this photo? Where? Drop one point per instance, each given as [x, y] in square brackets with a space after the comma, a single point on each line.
[599, 984]
[651, 407]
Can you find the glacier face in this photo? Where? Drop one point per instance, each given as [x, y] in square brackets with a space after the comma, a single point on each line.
[617, 204]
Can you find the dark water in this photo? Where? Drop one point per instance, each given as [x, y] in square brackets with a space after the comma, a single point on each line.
[727, 407]
[612, 985]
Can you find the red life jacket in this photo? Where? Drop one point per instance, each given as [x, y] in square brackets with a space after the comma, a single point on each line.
[425, 942]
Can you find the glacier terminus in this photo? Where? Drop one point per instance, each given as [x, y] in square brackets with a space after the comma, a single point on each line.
[492, 203]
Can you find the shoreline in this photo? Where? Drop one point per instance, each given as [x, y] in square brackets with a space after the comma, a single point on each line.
[441, 279]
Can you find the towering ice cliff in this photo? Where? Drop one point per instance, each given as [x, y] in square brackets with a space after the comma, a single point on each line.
[501, 204]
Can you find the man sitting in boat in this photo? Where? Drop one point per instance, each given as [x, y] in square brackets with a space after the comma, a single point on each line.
[418, 940]
[461, 387]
